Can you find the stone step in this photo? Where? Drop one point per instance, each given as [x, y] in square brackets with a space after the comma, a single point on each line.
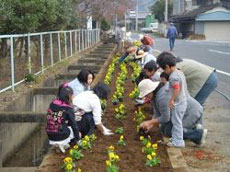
[18, 169]
[94, 68]
[101, 51]
[96, 56]
[90, 62]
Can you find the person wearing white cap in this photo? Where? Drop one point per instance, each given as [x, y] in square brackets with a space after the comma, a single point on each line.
[192, 121]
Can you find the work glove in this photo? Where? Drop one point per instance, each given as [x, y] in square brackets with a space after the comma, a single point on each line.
[106, 131]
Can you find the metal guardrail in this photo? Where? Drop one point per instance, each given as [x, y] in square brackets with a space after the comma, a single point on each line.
[78, 40]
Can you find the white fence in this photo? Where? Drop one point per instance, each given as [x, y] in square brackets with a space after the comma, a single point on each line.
[33, 53]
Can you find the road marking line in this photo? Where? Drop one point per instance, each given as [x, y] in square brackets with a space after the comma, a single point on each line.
[219, 71]
[222, 72]
[220, 52]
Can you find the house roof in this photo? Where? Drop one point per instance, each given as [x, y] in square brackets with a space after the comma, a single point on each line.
[191, 15]
[220, 15]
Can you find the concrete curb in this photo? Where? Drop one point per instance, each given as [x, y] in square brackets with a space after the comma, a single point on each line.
[176, 158]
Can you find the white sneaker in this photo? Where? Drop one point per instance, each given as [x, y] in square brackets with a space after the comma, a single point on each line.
[204, 135]
[170, 144]
[62, 148]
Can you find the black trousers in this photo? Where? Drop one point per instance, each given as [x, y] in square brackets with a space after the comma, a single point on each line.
[87, 124]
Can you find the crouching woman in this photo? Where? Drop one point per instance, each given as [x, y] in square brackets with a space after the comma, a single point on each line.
[61, 126]
[88, 102]
[192, 120]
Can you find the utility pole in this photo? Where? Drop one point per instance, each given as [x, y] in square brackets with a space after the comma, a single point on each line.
[166, 11]
[125, 21]
[136, 15]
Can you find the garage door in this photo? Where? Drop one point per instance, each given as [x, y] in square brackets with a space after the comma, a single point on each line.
[217, 30]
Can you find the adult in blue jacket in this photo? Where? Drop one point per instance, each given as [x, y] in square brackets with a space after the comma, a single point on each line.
[172, 34]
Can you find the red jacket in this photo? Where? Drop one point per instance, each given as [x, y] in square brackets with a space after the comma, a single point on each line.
[147, 40]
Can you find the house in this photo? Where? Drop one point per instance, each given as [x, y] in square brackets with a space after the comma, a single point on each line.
[143, 12]
[208, 18]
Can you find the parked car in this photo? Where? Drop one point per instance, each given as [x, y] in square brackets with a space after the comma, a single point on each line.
[153, 27]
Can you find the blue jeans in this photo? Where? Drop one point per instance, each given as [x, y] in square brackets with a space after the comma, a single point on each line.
[171, 43]
[208, 87]
[194, 135]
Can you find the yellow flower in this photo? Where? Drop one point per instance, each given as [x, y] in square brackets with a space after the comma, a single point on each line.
[71, 152]
[84, 142]
[111, 148]
[149, 157]
[117, 158]
[78, 170]
[122, 137]
[153, 154]
[69, 167]
[154, 146]
[141, 138]
[76, 147]
[86, 138]
[111, 156]
[148, 145]
[68, 159]
[108, 163]
[94, 137]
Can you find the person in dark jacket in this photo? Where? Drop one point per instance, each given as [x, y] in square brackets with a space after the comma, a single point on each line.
[61, 126]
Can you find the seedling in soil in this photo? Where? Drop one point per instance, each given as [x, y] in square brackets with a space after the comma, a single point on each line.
[68, 165]
[135, 93]
[152, 160]
[113, 158]
[115, 100]
[120, 111]
[103, 103]
[85, 143]
[121, 141]
[76, 154]
[119, 130]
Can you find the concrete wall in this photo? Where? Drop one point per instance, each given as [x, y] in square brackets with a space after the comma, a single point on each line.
[41, 102]
[13, 135]
[199, 28]
[217, 31]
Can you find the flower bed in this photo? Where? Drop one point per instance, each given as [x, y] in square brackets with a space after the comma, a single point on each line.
[133, 154]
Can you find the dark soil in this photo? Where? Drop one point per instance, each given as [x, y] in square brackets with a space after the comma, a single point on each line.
[132, 158]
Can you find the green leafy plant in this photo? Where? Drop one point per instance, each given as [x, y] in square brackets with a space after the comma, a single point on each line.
[119, 130]
[30, 77]
[76, 154]
[121, 141]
